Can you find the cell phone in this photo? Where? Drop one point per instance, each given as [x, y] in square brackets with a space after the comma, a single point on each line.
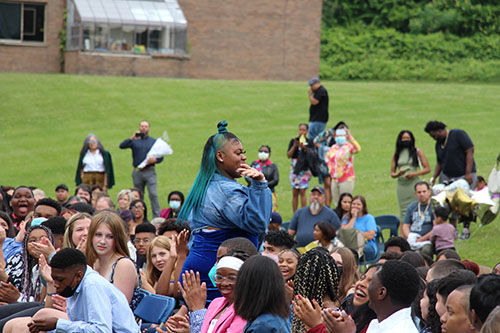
[139, 135]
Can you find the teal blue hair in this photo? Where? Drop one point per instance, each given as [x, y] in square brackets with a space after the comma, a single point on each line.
[207, 170]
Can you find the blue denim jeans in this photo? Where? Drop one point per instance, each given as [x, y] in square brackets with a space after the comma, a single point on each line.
[315, 128]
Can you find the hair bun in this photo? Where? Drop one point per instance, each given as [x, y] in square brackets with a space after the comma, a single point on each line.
[221, 127]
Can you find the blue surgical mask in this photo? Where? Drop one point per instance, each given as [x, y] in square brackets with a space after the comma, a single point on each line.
[175, 205]
[211, 273]
[340, 140]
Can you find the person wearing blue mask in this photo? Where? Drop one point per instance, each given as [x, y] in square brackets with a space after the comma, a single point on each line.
[175, 201]
[340, 161]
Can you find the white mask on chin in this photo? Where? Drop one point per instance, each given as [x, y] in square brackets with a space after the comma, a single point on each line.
[315, 206]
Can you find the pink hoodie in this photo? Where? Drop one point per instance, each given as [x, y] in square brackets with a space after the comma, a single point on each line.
[227, 322]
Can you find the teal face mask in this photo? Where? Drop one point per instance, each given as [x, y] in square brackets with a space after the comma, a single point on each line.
[212, 272]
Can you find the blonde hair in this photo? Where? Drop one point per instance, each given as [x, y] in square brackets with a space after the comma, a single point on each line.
[349, 275]
[492, 323]
[152, 273]
[70, 226]
[125, 192]
[115, 224]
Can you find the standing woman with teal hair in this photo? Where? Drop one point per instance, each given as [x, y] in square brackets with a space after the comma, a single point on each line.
[218, 207]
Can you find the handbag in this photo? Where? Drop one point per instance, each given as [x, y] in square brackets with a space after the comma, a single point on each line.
[154, 308]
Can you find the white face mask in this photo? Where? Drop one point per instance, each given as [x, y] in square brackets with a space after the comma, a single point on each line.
[263, 156]
[175, 205]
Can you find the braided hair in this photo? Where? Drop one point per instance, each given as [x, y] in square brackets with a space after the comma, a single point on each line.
[432, 323]
[207, 170]
[316, 276]
[30, 262]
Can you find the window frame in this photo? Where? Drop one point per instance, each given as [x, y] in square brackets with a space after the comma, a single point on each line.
[21, 40]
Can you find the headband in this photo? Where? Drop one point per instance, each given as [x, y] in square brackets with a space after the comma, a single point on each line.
[230, 262]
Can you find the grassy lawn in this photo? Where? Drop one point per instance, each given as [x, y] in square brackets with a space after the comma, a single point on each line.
[45, 118]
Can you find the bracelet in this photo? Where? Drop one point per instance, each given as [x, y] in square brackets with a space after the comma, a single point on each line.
[51, 294]
[51, 256]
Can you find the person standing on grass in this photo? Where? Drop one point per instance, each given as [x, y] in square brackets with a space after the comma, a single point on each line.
[318, 111]
[455, 159]
[408, 163]
[454, 152]
[140, 143]
[95, 166]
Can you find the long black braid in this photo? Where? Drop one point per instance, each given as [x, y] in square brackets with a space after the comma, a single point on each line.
[30, 262]
[316, 277]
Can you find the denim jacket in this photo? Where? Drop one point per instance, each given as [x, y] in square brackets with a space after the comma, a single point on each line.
[230, 205]
[268, 323]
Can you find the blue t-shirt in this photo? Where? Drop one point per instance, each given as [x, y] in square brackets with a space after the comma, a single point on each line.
[366, 223]
[421, 225]
[303, 222]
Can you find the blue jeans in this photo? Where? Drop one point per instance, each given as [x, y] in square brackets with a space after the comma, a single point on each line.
[370, 253]
[315, 128]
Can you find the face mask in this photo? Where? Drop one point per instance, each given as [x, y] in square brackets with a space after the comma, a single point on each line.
[340, 140]
[175, 205]
[263, 156]
[315, 206]
[405, 144]
[211, 273]
[68, 291]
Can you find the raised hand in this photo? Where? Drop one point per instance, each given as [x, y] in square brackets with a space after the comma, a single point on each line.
[45, 269]
[248, 171]
[309, 314]
[193, 292]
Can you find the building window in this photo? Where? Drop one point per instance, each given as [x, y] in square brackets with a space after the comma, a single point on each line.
[126, 26]
[22, 21]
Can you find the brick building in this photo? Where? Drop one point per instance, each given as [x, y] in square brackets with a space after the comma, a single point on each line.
[214, 39]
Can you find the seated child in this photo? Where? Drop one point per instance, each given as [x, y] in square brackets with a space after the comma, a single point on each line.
[443, 234]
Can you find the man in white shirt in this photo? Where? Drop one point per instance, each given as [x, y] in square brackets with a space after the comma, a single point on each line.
[391, 291]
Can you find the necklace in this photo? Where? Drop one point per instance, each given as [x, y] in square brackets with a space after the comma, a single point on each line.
[445, 140]
[422, 215]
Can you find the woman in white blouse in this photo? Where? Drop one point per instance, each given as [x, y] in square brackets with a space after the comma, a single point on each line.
[95, 166]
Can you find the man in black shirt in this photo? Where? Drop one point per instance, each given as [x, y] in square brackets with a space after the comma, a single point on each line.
[140, 143]
[318, 111]
[454, 152]
[455, 159]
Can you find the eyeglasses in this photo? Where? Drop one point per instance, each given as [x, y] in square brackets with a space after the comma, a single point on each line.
[231, 279]
[138, 207]
[142, 240]
[92, 141]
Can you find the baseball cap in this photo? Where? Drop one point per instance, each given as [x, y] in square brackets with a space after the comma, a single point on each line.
[63, 186]
[313, 80]
[319, 189]
[276, 218]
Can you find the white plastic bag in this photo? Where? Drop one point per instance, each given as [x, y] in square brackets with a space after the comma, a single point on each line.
[159, 149]
[494, 180]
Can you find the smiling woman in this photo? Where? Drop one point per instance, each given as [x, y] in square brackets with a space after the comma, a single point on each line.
[105, 248]
[218, 208]
[22, 203]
